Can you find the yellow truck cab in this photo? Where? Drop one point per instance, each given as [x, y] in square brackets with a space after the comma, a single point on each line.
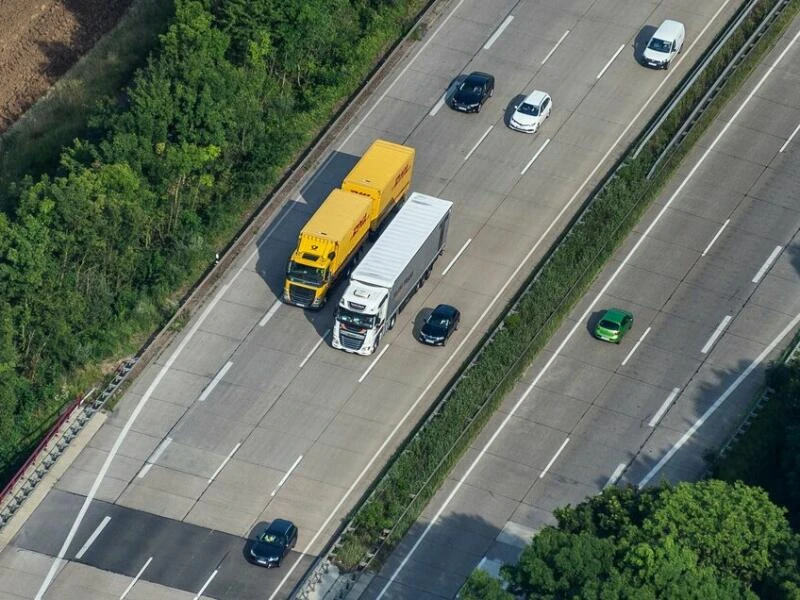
[331, 241]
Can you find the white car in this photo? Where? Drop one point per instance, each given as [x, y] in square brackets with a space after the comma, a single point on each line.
[531, 112]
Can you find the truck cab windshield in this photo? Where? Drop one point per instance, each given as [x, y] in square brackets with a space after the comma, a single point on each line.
[305, 274]
[356, 319]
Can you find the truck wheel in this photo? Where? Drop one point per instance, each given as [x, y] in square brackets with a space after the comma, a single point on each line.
[392, 322]
[428, 273]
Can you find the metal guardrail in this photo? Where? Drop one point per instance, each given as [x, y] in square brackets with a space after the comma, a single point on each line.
[72, 420]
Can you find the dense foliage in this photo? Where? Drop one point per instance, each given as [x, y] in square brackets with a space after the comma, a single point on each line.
[423, 464]
[705, 540]
[91, 254]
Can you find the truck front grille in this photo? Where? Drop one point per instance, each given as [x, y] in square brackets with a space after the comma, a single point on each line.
[351, 341]
[301, 295]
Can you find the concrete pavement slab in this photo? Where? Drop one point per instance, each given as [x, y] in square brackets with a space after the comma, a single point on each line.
[157, 501]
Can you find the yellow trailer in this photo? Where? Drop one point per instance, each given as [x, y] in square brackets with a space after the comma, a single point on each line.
[327, 244]
[384, 175]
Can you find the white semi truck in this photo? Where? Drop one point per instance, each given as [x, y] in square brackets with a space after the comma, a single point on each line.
[394, 268]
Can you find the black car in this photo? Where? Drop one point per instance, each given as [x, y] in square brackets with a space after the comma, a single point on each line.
[472, 92]
[439, 325]
[269, 548]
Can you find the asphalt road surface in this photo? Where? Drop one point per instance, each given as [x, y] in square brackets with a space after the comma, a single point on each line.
[250, 415]
[712, 275]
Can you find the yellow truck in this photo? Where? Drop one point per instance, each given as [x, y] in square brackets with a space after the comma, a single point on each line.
[332, 240]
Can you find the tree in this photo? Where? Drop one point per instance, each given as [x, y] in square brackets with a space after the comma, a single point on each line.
[482, 586]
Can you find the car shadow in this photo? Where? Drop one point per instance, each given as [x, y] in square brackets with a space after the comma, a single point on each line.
[594, 319]
[257, 530]
[452, 87]
[419, 320]
[640, 43]
[511, 107]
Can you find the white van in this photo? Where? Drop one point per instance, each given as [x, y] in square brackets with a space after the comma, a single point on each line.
[666, 42]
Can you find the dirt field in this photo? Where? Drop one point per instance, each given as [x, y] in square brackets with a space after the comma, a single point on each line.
[41, 40]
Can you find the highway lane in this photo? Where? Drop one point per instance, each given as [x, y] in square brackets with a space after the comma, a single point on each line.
[247, 416]
[713, 277]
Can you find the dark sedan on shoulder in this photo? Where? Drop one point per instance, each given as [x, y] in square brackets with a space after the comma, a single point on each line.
[471, 93]
[439, 325]
[269, 548]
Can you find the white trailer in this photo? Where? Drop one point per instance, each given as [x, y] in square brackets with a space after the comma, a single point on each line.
[393, 269]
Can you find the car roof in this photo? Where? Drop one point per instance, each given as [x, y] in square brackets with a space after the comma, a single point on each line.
[479, 75]
[616, 314]
[668, 28]
[445, 309]
[280, 526]
[535, 97]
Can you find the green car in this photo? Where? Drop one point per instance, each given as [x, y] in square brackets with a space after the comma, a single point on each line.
[613, 325]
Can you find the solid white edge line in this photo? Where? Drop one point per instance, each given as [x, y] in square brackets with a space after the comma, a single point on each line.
[373, 363]
[535, 156]
[478, 322]
[455, 258]
[92, 537]
[206, 584]
[615, 475]
[314, 349]
[767, 264]
[714, 239]
[608, 64]
[475, 147]
[712, 409]
[498, 32]
[554, 48]
[635, 346]
[217, 378]
[717, 332]
[224, 462]
[789, 139]
[270, 313]
[155, 456]
[286, 476]
[386, 92]
[438, 106]
[664, 406]
[135, 579]
[552, 460]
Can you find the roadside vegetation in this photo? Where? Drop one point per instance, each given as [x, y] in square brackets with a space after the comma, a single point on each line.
[94, 253]
[421, 466]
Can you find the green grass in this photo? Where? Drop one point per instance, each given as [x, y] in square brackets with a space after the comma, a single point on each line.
[34, 143]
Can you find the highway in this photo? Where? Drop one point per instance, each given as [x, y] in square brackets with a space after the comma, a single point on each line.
[712, 275]
[250, 415]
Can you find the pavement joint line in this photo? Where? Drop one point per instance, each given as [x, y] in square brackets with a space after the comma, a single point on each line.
[217, 378]
[552, 460]
[314, 349]
[270, 313]
[384, 94]
[225, 462]
[635, 346]
[498, 32]
[486, 310]
[719, 401]
[789, 139]
[716, 236]
[664, 406]
[155, 456]
[615, 475]
[767, 264]
[286, 476]
[93, 537]
[59, 558]
[579, 322]
[717, 332]
[456, 257]
[475, 147]
[535, 156]
[373, 363]
[438, 106]
[135, 579]
[206, 584]
[554, 48]
[608, 64]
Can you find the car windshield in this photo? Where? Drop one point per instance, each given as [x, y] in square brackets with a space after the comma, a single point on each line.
[269, 538]
[471, 85]
[349, 317]
[438, 321]
[529, 109]
[660, 45]
[606, 324]
[305, 274]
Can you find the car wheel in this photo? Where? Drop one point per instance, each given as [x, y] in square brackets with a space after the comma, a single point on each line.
[491, 92]
[477, 110]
